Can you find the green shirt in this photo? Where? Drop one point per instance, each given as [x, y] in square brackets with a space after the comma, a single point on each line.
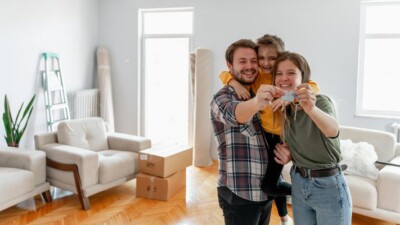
[310, 148]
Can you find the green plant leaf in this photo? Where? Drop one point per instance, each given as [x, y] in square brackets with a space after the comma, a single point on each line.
[13, 132]
[26, 124]
[28, 108]
[8, 121]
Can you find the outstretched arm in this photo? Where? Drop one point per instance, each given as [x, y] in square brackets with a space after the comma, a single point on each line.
[246, 110]
[265, 94]
[325, 122]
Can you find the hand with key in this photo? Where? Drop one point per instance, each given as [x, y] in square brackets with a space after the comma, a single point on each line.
[305, 97]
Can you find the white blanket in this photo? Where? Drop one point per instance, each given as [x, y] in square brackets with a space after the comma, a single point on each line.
[360, 158]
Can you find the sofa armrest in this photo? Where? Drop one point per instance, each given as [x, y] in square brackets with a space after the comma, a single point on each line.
[397, 149]
[86, 160]
[388, 184]
[31, 160]
[118, 141]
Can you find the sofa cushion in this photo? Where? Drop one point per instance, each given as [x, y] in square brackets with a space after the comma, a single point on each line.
[116, 164]
[363, 192]
[88, 133]
[14, 183]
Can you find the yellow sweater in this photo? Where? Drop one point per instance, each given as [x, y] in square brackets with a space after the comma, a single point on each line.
[271, 121]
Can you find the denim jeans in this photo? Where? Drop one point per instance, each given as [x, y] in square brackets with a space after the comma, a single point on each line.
[321, 201]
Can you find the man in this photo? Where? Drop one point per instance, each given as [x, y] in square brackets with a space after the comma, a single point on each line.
[243, 156]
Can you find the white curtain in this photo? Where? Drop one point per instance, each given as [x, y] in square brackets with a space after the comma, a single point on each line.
[201, 77]
[104, 77]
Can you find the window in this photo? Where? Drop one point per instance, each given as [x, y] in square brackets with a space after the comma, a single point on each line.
[379, 59]
[165, 44]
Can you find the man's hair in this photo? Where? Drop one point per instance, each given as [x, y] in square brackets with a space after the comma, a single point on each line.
[242, 43]
[271, 40]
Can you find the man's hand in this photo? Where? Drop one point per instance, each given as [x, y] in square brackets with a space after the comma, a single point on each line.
[282, 154]
[265, 95]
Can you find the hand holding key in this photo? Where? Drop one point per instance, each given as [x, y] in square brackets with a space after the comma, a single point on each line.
[266, 94]
[306, 97]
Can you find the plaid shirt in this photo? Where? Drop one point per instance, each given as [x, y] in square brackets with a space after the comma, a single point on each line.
[242, 150]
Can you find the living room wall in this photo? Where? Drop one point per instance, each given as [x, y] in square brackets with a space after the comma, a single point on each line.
[325, 32]
[29, 28]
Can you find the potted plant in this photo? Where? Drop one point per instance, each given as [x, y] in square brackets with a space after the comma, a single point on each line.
[14, 128]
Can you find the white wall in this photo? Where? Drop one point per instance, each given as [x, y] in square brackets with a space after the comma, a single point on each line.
[28, 28]
[325, 32]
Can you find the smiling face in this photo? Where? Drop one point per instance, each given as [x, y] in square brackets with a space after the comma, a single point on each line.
[266, 58]
[290, 70]
[288, 76]
[244, 66]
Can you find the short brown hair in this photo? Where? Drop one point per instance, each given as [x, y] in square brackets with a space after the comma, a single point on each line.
[242, 43]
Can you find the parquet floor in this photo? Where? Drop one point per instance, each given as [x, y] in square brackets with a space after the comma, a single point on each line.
[195, 205]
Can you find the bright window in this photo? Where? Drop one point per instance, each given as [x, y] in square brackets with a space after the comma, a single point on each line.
[379, 60]
[168, 22]
[165, 44]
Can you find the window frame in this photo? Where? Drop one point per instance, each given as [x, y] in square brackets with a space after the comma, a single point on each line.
[363, 37]
[141, 64]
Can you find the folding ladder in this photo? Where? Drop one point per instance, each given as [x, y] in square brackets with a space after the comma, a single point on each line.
[56, 102]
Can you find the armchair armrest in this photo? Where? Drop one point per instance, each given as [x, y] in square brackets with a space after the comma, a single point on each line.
[43, 139]
[86, 160]
[119, 141]
[31, 160]
[69, 154]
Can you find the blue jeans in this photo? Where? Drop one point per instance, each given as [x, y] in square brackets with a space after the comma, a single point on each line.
[322, 200]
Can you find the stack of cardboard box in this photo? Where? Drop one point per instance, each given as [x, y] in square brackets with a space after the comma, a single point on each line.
[162, 170]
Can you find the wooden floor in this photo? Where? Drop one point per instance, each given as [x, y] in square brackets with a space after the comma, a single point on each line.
[194, 205]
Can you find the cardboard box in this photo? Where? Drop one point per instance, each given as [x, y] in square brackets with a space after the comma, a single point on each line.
[159, 188]
[163, 160]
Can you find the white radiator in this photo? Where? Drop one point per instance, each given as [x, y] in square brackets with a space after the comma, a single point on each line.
[84, 103]
[396, 130]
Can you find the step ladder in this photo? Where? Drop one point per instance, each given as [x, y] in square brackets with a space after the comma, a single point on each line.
[56, 101]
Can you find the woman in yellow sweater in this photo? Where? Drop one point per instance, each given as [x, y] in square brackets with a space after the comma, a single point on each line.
[269, 47]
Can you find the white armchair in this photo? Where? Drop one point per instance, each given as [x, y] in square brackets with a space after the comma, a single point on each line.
[22, 176]
[84, 159]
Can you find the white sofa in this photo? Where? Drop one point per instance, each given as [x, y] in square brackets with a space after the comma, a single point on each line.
[381, 198]
[22, 176]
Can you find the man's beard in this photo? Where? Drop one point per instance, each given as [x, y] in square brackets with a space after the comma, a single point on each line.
[237, 76]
